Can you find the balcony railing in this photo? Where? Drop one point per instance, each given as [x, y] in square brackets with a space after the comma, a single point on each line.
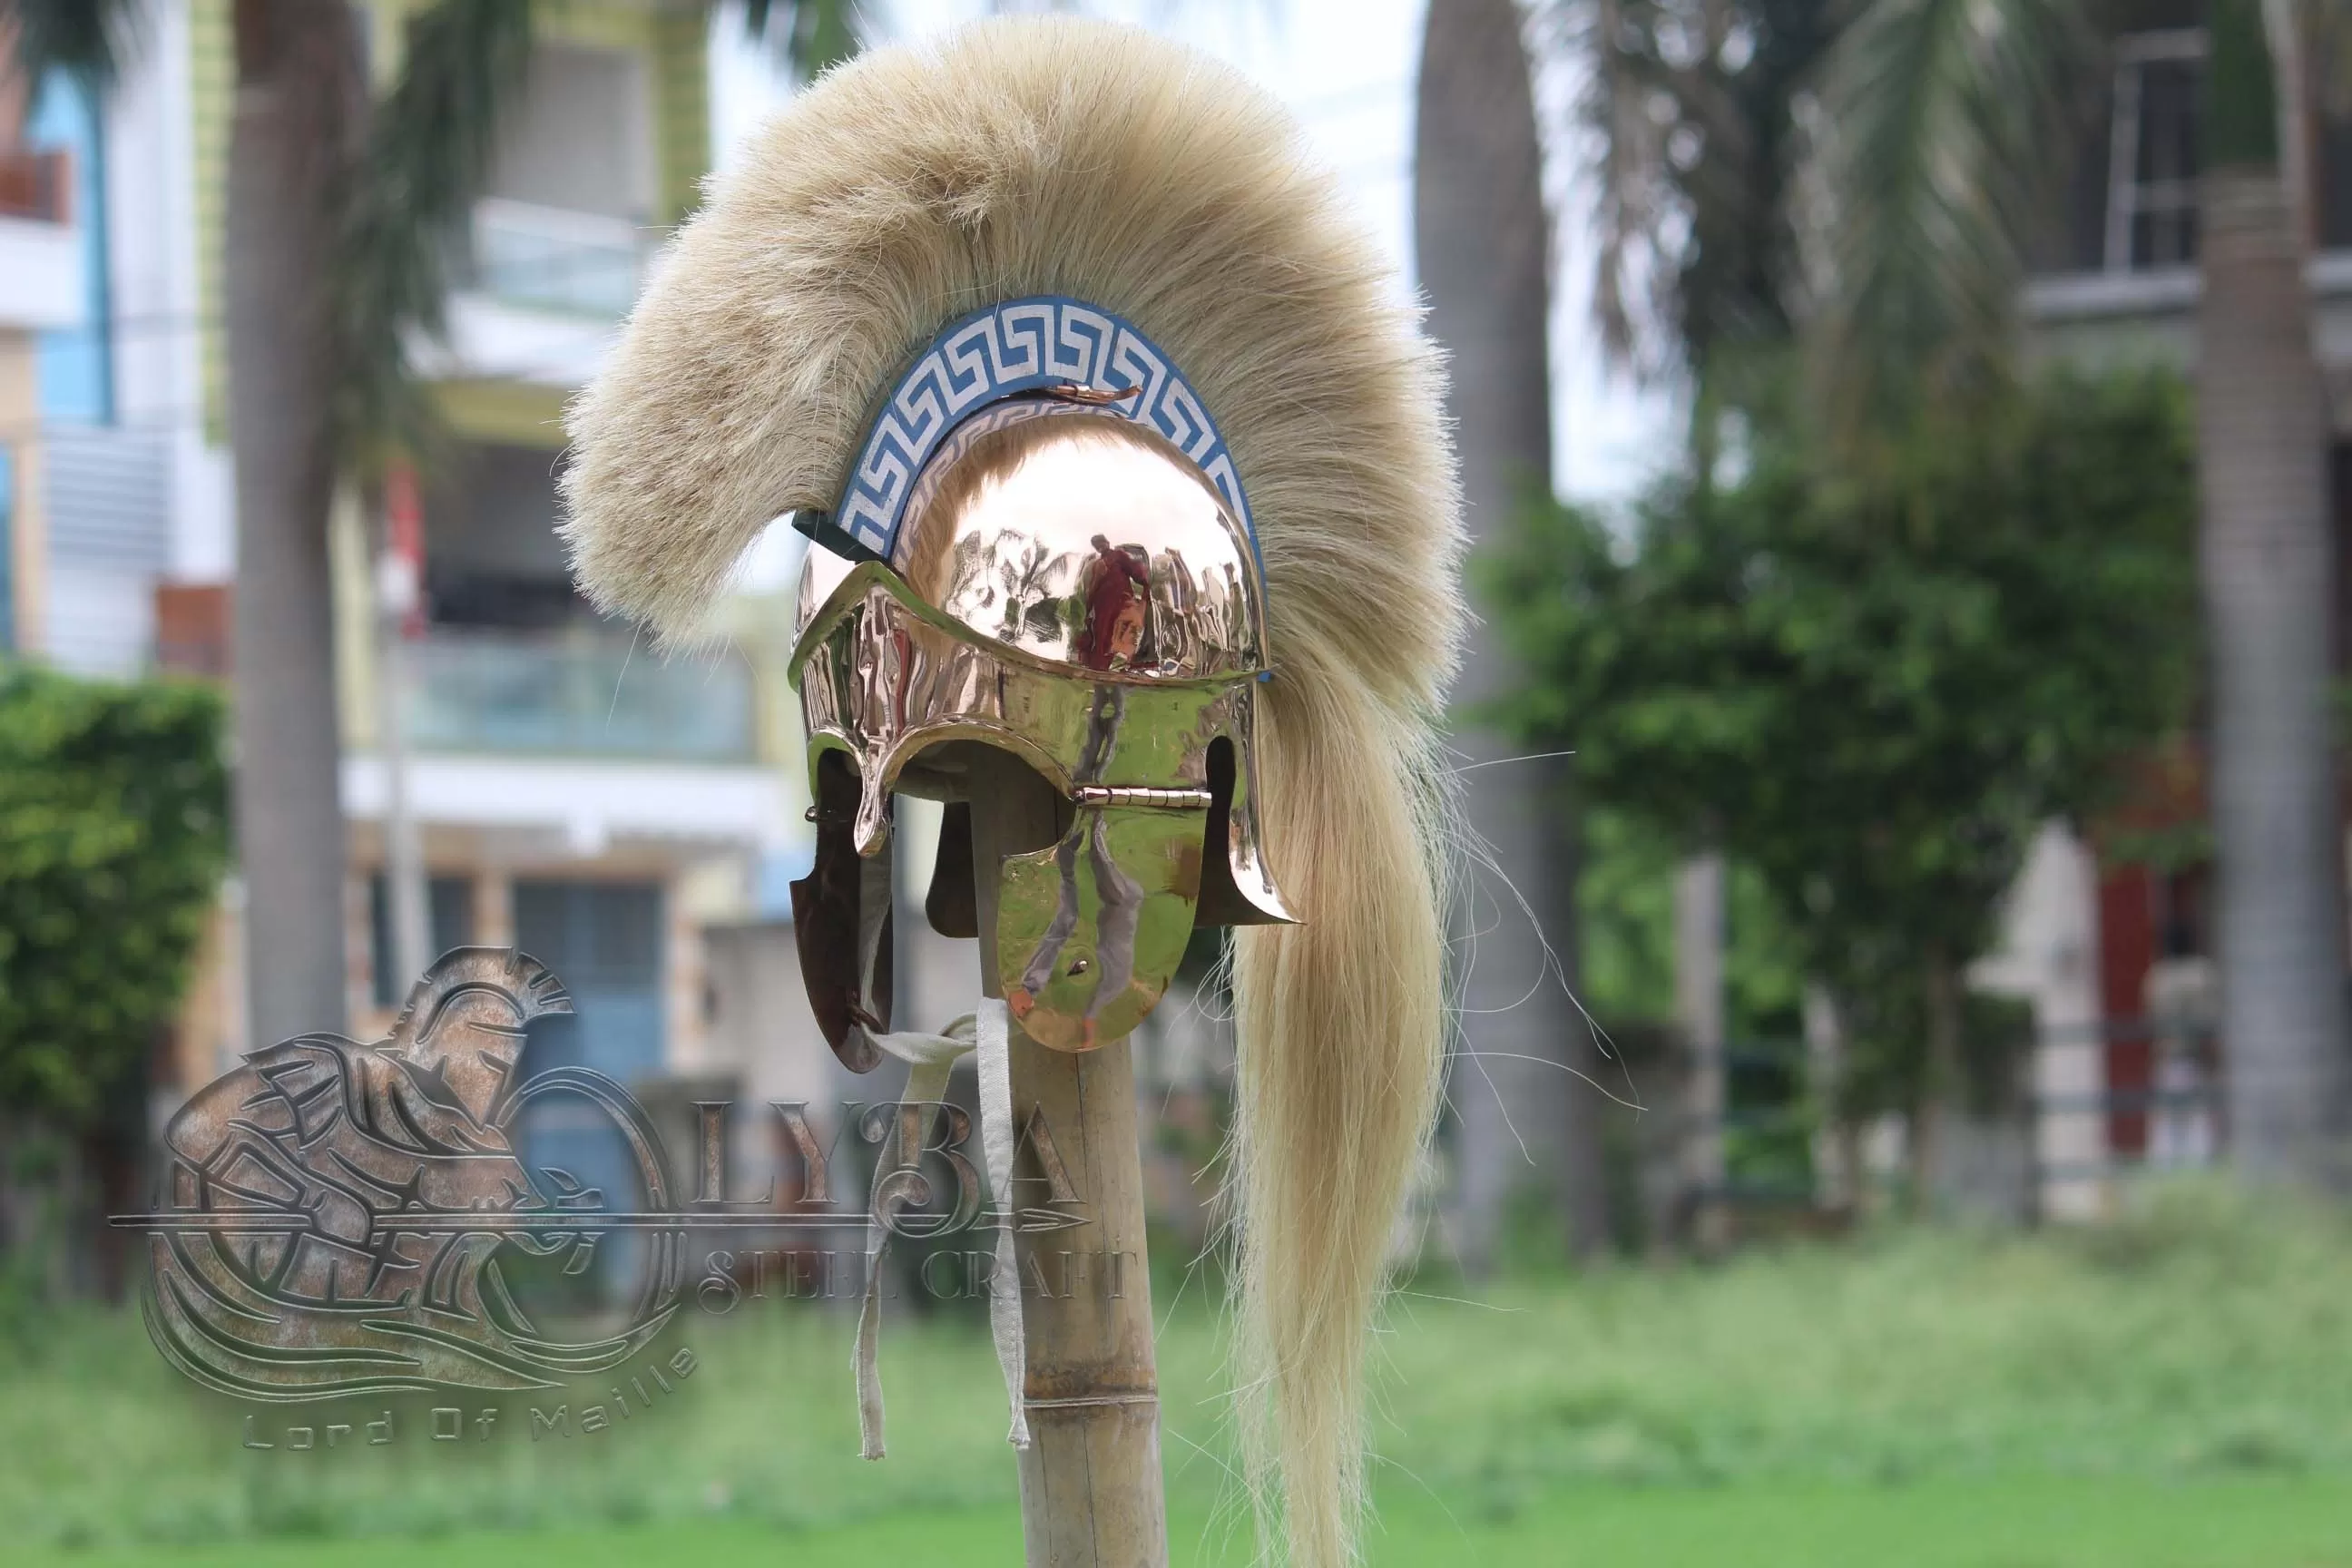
[577, 696]
[37, 184]
[549, 259]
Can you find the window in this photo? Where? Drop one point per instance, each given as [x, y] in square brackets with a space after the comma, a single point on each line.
[605, 941]
[449, 922]
[572, 184]
[2151, 206]
[580, 136]
[77, 364]
[595, 935]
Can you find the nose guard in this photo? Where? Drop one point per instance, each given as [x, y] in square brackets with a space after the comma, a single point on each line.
[1089, 932]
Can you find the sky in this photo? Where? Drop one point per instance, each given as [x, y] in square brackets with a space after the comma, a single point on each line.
[1346, 69]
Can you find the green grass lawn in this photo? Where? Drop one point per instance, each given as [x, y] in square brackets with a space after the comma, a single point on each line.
[2175, 1392]
[2012, 1522]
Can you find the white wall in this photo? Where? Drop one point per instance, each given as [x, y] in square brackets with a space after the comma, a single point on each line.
[584, 139]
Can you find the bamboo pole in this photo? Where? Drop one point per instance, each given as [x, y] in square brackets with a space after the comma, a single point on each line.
[1090, 1481]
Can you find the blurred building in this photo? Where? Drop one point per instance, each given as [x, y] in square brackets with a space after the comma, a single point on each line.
[578, 795]
[2118, 957]
[53, 236]
[629, 819]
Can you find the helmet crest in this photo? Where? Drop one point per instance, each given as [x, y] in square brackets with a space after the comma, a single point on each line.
[924, 292]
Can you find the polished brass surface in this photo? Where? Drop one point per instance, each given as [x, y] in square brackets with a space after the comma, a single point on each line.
[1069, 588]
[883, 682]
[1079, 539]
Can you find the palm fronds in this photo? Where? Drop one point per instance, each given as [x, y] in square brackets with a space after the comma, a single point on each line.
[1683, 120]
[90, 39]
[1941, 126]
[427, 154]
[2241, 98]
[812, 36]
[1628, 110]
[429, 150]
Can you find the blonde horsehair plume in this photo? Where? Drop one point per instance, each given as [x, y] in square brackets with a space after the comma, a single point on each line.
[1059, 156]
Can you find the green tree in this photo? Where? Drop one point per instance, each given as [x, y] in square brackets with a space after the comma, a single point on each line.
[1931, 178]
[113, 832]
[1875, 686]
[1682, 126]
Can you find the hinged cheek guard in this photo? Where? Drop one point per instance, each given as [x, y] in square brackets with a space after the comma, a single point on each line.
[1054, 576]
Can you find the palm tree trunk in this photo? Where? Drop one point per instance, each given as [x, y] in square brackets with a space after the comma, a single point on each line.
[298, 99]
[1700, 910]
[2266, 553]
[2267, 560]
[1481, 239]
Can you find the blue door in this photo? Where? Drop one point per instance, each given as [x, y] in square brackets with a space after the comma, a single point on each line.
[603, 940]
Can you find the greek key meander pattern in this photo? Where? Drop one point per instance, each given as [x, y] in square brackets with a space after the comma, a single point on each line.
[1019, 346]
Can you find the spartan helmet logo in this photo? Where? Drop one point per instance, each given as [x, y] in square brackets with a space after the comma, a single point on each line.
[336, 1216]
[1043, 549]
